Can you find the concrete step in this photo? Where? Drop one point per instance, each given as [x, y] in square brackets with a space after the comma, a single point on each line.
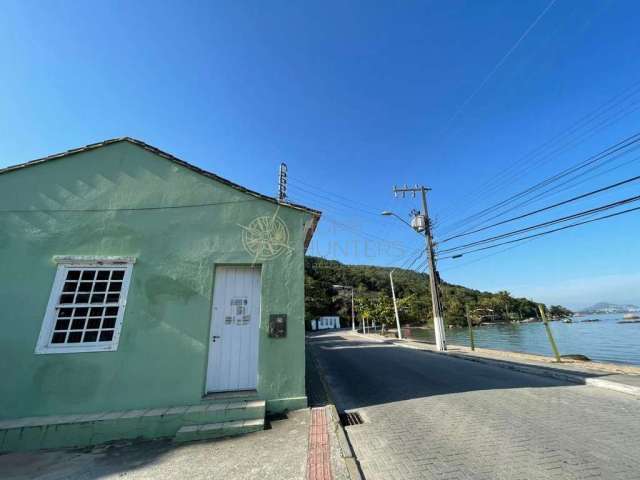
[216, 430]
[33, 433]
[222, 411]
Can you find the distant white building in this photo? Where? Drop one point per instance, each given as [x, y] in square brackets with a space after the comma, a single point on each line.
[325, 323]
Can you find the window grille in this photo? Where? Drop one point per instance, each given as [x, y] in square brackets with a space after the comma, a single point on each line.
[86, 308]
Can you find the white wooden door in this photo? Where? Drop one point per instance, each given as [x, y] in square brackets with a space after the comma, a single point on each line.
[235, 327]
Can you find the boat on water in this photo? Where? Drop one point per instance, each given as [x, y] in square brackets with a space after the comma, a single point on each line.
[630, 318]
[529, 320]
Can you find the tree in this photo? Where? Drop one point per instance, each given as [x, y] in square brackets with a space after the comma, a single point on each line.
[373, 296]
[558, 311]
[383, 310]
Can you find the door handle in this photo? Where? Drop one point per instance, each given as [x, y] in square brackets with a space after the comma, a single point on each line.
[213, 339]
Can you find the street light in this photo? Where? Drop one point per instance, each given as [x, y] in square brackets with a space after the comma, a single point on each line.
[353, 315]
[387, 213]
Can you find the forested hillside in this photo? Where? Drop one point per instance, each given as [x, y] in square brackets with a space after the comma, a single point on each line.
[373, 296]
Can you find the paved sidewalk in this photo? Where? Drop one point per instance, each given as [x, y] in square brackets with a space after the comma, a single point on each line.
[433, 416]
[282, 452]
[278, 453]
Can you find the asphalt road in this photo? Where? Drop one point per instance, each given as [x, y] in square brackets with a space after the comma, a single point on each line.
[427, 415]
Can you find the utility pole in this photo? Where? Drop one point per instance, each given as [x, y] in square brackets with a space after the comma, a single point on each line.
[552, 341]
[472, 342]
[395, 305]
[353, 314]
[421, 223]
[282, 182]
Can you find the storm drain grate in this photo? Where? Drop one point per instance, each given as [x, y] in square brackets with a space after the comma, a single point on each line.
[350, 418]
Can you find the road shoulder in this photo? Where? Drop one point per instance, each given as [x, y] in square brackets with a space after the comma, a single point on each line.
[619, 378]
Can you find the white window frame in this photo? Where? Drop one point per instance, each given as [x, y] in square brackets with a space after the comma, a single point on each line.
[65, 263]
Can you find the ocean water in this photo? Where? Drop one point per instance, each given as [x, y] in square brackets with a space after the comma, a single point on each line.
[606, 340]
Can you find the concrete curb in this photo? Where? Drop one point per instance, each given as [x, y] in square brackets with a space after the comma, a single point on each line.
[549, 372]
[348, 455]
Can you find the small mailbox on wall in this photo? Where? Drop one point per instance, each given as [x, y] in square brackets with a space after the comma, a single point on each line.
[278, 325]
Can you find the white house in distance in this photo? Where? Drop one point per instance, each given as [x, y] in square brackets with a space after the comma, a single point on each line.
[325, 323]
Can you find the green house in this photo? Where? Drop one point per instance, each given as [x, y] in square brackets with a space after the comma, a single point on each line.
[144, 297]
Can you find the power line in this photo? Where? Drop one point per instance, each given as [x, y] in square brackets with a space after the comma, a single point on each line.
[476, 260]
[570, 183]
[553, 153]
[512, 171]
[128, 209]
[325, 191]
[422, 252]
[496, 67]
[359, 232]
[627, 142]
[328, 207]
[545, 224]
[549, 207]
[353, 207]
[604, 217]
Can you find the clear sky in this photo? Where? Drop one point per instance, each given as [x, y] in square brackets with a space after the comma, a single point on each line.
[357, 97]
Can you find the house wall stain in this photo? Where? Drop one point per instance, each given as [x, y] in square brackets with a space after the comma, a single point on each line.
[162, 355]
[55, 379]
[163, 288]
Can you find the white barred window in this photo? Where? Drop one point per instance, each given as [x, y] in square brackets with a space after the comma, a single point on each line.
[86, 306]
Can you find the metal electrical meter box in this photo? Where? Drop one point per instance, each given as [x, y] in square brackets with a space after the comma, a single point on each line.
[278, 325]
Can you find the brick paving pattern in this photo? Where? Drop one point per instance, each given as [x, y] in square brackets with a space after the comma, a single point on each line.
[319, 454]
[432, 417]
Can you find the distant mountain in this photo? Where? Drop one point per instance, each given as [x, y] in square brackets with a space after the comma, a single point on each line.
[605, 307]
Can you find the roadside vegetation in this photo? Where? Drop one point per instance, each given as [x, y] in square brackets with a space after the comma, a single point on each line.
[373, 299]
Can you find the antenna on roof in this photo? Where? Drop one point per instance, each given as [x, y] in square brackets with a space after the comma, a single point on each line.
[282, 182]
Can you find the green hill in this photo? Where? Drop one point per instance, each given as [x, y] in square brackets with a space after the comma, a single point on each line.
[373, 296]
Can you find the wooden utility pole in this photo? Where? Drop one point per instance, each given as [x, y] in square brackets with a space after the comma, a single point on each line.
[552, 341]
[469, 324]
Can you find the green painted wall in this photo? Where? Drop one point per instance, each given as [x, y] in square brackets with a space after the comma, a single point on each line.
[162, 355]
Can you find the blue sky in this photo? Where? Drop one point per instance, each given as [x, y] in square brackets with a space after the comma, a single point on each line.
[355, 97]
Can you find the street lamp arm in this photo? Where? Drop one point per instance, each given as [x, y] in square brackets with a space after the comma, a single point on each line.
[387, 213]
